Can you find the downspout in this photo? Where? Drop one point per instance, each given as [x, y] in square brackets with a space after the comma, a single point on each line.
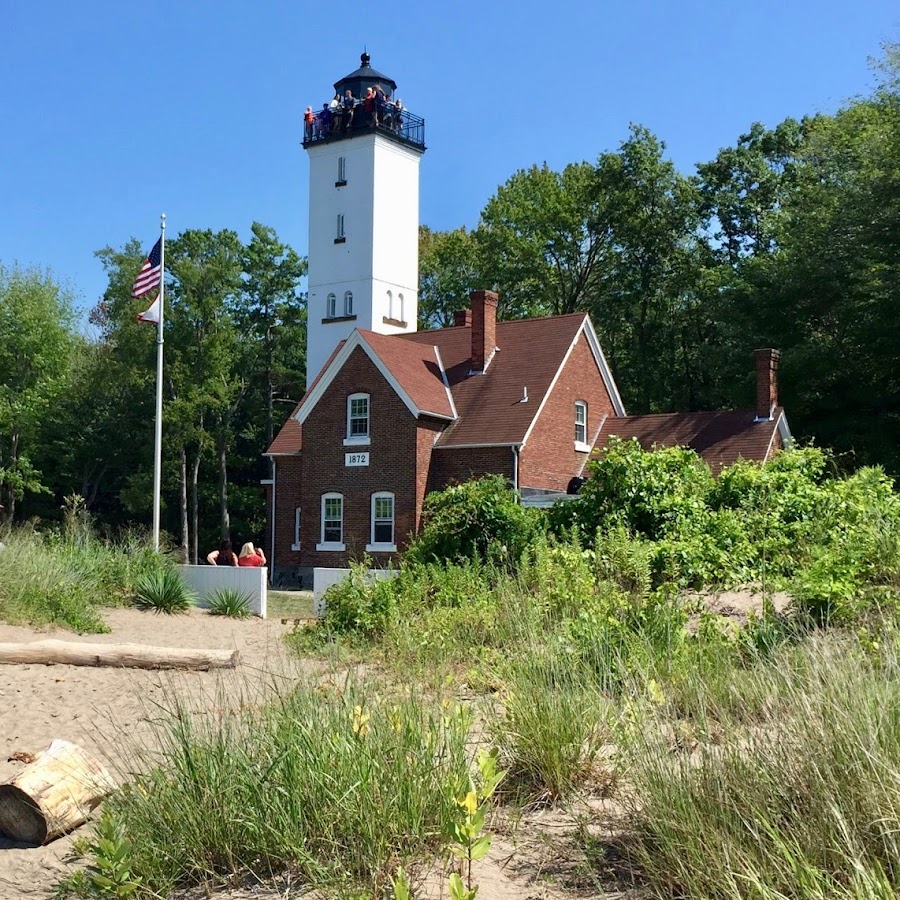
[272, 560]
[515, 451]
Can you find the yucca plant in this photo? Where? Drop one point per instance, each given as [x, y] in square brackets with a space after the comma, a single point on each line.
[163, 591]
[230, 602]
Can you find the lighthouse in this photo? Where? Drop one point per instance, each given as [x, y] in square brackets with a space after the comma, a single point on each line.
[363, 214]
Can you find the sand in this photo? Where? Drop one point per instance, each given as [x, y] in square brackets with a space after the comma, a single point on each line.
[89, 705]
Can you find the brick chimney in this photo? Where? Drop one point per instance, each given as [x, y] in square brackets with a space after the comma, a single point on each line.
[484, 328]
[766, 382]
[462, 317]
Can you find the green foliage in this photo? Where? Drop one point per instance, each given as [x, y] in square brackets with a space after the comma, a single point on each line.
[163, 591]
[230, 602]
[66, 579]
[329, 780]
[480, 519]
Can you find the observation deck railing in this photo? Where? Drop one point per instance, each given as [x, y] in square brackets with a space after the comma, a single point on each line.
[400, 123]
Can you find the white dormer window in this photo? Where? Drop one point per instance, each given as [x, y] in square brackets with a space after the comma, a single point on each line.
[357, 419]
[342, 170]
[581, 418]
[382, 528]
[331, 306]
[348, 303]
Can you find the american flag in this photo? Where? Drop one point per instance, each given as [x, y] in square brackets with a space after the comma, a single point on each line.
[149, 276]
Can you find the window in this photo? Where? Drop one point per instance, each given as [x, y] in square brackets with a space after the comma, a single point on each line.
[331, 307]
[342, 170]
[382, 534]
[580, 424]
[390, 298]
[348, 303]
[332, 522]
[296, 544]
[399, 315]
[357, 419]
[340, 237]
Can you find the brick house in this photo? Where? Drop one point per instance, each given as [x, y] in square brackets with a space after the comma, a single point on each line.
[392, 417]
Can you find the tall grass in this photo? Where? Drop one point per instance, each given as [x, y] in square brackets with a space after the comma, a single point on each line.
[335, 784]
[66, 579]
[797, 797]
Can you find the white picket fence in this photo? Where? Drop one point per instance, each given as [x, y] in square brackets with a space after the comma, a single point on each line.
[206, 580]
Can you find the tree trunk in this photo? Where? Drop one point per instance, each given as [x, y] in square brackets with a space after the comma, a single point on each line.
[134, 656]
[185, 534]
[224, 520]
[53, 794]
[195, 505]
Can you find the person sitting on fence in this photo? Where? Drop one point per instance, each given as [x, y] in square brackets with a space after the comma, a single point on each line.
[250, 556]
[224, 556]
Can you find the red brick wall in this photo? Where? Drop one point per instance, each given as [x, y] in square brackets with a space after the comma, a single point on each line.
[456, 466]
[549, 459]
[288, 476]
[393, 452]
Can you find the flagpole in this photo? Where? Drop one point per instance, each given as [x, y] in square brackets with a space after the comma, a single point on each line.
[157, 449]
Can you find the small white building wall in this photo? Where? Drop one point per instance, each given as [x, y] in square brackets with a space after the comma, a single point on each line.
[206, 580]
[380, 205]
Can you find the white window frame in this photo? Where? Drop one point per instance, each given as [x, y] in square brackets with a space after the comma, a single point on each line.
[359, 440]
[331, 306]
[400, 310]
[342, 169]
[348, 303]
[340, 226]
[383, 547]
[297, 517]
[581, 444]
[390, 299]
[324, 545]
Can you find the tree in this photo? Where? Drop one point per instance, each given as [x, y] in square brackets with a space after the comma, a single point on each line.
[449, 271]
[37, 341]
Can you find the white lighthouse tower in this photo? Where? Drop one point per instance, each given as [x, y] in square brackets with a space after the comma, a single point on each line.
[363, 217]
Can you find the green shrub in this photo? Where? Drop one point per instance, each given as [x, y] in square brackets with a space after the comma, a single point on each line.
[360, 605]
[330, 782]
[163, 591]
[230, 602]
[478, 520]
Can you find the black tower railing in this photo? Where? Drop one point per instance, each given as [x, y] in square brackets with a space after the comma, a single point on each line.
[342, 123]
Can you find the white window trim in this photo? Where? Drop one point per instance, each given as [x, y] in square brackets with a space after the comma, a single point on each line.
[581, 446]
[342, 168]
[331, 306]
[324, 545]
[372, 547]
[348, 303]
[296, 544]
[340, 225]
[359, 440]
[399, 316]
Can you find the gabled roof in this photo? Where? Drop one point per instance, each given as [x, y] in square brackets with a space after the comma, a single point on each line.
[431, 372]
[720, 438]
[531, 354]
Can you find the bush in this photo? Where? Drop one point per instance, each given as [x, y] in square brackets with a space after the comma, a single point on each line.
[230, 602]
[331, 782]
[478, 520]
[163, 592]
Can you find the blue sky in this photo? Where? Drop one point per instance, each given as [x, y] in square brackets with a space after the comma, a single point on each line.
[111, 113]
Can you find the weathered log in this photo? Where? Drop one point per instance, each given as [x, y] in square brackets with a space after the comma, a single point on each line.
[129, 655]
[52, 795]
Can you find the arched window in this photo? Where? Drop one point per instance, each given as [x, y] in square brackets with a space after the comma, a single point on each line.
[331, 307]
[382, 527]
[581, 422]
[332, 522]
[357, 419]
[390, 298]
[348, 303]
[399, 315]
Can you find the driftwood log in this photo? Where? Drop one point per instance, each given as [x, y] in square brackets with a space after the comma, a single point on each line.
[129, 655]
[53, 794]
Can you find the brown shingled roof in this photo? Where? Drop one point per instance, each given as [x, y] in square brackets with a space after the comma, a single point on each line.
[529, 356]
[720, 438]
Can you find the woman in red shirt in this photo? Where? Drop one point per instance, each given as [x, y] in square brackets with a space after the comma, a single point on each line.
[250, 556]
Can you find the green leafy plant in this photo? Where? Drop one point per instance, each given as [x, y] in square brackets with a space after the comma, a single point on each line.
[230, 602]
[163, 591]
